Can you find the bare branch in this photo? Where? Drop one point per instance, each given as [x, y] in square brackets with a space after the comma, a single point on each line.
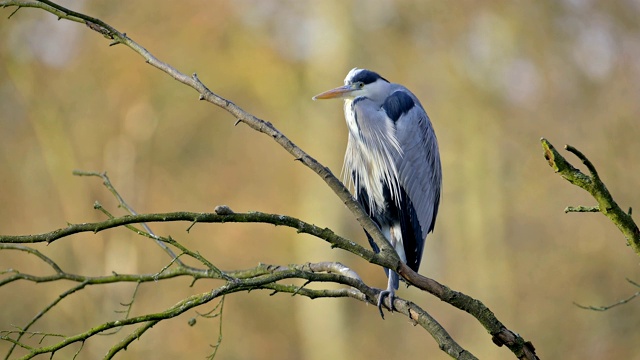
[607, 307]
[216, 346]
[107, 183]
[387, 257]
[569, 209]
[136, 334]
[594, 186]
[264, 277]
[501, 335]
[620, 302]
[326, 234]
[238, 113]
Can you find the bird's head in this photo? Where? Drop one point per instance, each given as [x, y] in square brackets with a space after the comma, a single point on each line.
[359, 82]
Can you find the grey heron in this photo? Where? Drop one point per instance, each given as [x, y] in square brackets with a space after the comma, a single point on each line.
[392, 164]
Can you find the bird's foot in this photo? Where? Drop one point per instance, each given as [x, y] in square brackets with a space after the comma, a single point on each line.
[389, 293]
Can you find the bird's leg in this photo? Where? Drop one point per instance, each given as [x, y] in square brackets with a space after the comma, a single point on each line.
[393, 233]
[390, 292]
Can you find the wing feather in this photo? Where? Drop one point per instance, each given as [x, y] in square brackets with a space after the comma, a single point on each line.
[419, 176]
[393, 163]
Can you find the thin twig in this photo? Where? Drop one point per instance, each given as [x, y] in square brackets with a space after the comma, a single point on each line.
[585, 161]
[620, 302]
[569, 209]
[107, 183]
[128, 307]
[607, 307]
[216, 346]
[44, 311]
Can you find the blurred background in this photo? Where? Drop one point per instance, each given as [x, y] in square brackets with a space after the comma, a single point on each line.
[494, 77]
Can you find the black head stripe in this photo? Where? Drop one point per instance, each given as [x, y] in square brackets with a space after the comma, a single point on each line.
[366, 77]
[397, 104]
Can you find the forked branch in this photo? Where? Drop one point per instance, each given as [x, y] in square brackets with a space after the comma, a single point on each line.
[594, 186]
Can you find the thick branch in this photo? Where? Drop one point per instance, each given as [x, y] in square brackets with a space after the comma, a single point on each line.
[594, 186]
[500, 334]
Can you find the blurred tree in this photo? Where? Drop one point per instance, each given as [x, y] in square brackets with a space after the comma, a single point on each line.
[504, 74]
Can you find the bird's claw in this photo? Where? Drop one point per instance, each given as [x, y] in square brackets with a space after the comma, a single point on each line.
[383, 294]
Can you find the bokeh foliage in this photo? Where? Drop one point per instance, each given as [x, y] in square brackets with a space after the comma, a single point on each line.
[494, 78]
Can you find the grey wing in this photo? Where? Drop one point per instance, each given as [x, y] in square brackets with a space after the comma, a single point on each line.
[419, 170]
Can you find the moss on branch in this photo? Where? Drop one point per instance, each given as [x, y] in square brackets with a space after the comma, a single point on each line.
[594, 186]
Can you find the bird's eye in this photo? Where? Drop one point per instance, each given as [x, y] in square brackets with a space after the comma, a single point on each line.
[360, 85]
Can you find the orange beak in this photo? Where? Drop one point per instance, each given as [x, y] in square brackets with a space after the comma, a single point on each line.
[337, 93]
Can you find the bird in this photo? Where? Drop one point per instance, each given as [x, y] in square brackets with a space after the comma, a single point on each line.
[391, 165]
